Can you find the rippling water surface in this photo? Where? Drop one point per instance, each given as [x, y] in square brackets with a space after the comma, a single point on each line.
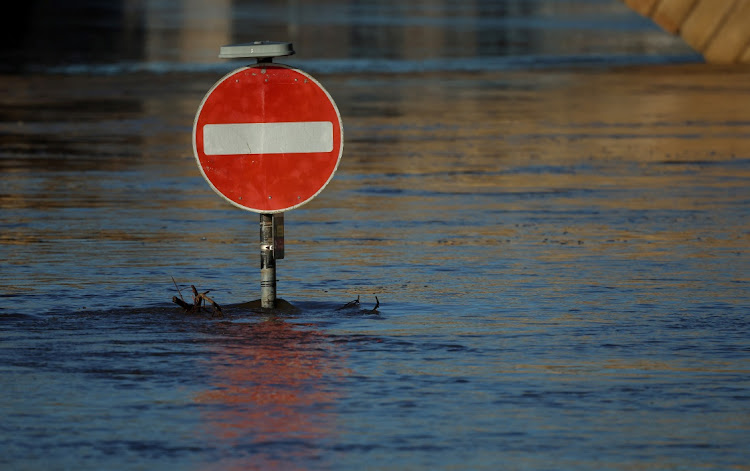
[560, 255]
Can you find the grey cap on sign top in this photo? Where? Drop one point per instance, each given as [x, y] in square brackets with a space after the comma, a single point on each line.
[257, 49]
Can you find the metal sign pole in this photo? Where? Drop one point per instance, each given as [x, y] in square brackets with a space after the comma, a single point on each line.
[267, 263]
[271, 249]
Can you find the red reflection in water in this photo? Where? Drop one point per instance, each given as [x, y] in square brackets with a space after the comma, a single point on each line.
[272, 385]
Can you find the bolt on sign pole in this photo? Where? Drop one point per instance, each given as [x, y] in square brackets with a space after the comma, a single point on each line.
[267, 138]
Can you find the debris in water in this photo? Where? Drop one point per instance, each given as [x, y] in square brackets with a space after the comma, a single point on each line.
[373, 310]
[199, 300]
[355, 304]
[350, 304]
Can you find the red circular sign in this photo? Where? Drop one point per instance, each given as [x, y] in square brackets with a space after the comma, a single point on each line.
[268, 138]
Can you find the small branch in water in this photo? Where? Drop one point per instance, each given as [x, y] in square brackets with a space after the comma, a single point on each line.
[182, 303]
[355, 305]
[199, 300]
[350, 304]
[216, 308]
[375, 309]
[178, 288]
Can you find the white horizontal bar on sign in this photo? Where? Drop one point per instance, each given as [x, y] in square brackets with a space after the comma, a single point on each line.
[268, 138]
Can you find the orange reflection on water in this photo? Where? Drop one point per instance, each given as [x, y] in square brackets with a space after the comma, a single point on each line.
[272, 384]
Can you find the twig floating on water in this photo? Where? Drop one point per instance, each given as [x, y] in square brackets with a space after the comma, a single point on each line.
[178, 288]
[350, 304]
[375, 309]
[355, 304]
[199, 300]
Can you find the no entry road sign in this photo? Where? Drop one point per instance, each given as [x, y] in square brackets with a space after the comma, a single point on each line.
[268, 138]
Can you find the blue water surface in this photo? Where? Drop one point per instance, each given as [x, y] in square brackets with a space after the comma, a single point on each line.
[548, 200]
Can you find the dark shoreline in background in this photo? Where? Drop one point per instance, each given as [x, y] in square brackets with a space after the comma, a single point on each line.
[374, 66]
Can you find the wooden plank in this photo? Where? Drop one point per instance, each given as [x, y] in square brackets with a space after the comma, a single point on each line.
[703, 21]
[670, 14]
[745, 59]
[732, 38]
[644, 7]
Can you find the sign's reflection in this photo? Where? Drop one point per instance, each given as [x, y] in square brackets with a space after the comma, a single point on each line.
[273, 387]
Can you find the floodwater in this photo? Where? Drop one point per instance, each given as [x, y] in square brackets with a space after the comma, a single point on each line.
[551, 201]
